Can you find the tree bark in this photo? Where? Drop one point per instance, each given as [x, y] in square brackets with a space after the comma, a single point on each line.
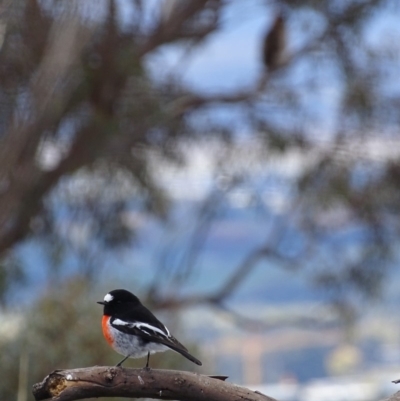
[393, 397]
[103, 381]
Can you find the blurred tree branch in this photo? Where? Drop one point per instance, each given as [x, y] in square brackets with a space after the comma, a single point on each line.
[20, 176]
[84, 86]
[57, 86]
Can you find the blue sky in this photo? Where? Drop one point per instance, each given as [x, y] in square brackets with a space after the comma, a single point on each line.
[226, 59]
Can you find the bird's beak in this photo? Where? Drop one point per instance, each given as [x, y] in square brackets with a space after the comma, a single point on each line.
[101, 302]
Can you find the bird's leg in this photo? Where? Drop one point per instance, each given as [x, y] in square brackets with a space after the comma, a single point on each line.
[147, 363]
[120, 363]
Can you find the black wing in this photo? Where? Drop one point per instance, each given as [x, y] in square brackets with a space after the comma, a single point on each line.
[155, 334]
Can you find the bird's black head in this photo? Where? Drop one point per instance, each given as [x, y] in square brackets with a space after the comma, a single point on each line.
[117, 301]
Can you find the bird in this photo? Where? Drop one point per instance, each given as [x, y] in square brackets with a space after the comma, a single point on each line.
[133, 331]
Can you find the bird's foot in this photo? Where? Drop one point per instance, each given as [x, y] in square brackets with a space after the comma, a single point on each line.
[119, 364]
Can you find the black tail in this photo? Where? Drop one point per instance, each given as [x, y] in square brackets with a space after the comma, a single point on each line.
[175, 345]
[185, 354]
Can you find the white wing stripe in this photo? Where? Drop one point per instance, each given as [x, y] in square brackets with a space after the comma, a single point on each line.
[168, 333]
[119, 322]
[156, 329]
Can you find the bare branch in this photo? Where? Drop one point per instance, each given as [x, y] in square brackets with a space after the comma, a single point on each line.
[393, 397]
[193, 101]
[103, 381]
[231, 284]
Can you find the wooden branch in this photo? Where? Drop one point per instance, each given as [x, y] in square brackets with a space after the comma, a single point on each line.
[104, 381]
[393, 397]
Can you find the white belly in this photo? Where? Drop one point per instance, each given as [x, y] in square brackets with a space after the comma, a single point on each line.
[133, 346]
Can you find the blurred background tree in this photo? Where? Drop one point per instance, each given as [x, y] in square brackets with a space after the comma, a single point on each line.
[110, 110]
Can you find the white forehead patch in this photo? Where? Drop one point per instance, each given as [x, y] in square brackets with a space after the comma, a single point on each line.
[108, 298]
